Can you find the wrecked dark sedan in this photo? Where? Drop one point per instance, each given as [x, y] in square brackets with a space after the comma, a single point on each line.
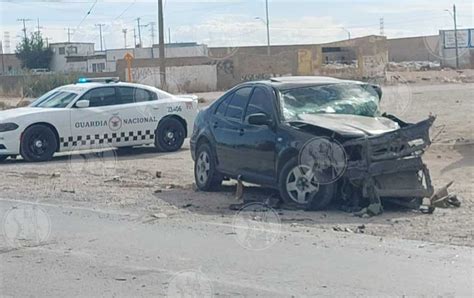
[314, 139]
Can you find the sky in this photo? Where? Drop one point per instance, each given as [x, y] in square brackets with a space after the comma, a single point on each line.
[230, 23]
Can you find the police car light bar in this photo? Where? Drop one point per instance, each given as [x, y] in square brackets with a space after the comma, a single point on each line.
[99, 80]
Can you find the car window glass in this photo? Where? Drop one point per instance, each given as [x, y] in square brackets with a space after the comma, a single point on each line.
[102, 97]
[260, 102]
[222, 108]
[142, 95]
[236, 107]
[127, 94]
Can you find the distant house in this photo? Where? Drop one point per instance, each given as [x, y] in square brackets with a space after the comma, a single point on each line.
[63, 51]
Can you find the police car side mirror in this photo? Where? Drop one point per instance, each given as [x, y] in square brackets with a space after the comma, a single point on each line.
[82, 104]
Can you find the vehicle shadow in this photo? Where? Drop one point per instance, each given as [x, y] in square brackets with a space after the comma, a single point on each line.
[145, 152]
[217, 203]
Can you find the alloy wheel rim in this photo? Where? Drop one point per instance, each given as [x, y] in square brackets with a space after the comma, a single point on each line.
[301, 184]
[203, 166]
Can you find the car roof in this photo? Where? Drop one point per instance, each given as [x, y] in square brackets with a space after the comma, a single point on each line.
[283, 83]
[90, 85]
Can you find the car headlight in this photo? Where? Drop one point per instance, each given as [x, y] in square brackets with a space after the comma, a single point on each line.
[8, 127]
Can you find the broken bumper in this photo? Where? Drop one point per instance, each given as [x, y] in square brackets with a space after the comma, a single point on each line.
[390, 164]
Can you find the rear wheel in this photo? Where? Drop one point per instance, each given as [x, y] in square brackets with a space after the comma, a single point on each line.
[205, 173]
[38, 144]
[299, 188]
[170, 135]
[3, 157]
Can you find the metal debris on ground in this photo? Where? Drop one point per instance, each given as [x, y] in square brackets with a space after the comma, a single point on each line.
[441, 199]
[158, 174]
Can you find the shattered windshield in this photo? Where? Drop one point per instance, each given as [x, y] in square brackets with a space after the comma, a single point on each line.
[349, 99]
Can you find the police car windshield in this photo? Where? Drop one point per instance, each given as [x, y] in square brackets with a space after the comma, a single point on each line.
[55, 99]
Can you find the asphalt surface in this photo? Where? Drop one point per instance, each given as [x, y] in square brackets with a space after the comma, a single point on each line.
[89, 253]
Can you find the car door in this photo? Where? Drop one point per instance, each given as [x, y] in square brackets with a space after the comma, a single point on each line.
[226, 127]
[140, 114]
[258, 142]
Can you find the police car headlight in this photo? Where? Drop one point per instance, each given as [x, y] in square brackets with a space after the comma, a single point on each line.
[8, 127]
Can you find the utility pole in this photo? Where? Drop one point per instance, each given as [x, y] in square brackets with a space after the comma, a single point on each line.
[124, 31]
[152, 31]
[169, 35]
[38, 25]
[162, 45]
[68, 35]
[456, 35]
[100, 32]
[24, 26]
[139, 33]
[268, 28]
[134, 37]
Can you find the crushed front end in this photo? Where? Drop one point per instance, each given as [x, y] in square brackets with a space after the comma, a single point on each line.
[388, 167]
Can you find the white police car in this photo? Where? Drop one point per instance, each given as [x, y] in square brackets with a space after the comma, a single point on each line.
[96, 113]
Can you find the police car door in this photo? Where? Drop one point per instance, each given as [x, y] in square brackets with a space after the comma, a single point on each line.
[101, 124]
[139, 115]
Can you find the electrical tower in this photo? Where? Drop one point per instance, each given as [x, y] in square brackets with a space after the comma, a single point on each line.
[6, 42]
[382, 26]
[152, 32]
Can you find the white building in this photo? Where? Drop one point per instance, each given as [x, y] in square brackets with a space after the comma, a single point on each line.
[64, 50]
[81, 57]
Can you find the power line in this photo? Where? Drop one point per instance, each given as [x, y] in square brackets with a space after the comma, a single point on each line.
[87, 14]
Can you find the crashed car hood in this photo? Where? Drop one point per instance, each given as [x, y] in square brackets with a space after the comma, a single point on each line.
[350, 124]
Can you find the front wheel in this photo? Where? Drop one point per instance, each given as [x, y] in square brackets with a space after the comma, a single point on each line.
[38, 144]
[170, 135]
[3, 157]
[299, 187]
[205, 172]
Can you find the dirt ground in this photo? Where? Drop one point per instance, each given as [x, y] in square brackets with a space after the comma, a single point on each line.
[129, 182]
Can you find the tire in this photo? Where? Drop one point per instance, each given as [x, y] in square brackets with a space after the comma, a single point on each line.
[38, 144]
[205, 174]
[3, 157]
[311, 197]
[170, 135]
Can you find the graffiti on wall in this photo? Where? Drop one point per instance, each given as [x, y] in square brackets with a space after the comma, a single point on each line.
[374, 66]
[261, 76]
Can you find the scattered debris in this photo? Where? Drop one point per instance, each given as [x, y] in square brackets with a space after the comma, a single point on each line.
[68, 191]
[187, 205]
[158, 174]
[239, 193]
[114, 179]
[56, 175]
[158, 191]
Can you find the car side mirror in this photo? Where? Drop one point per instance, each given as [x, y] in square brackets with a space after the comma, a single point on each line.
[378, 89]
[82, 104]
[259, 119]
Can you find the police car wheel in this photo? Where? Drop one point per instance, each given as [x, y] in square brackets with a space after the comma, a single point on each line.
[38, 144]
[169, 136]
[3, 157]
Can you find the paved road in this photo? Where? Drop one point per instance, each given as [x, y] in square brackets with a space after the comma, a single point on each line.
[101, 253]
